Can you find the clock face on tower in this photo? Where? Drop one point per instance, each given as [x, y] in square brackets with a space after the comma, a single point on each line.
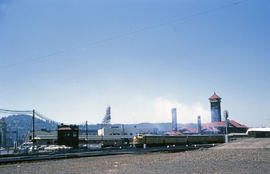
[215, 105]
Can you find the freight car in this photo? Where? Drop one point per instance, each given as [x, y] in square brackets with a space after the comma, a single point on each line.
[165, 140]
[205, 139]
[117, 142]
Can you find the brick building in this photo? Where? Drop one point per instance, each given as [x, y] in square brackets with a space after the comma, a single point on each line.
[68, 135]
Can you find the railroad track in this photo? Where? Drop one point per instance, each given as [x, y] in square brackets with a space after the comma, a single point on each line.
[37, 157]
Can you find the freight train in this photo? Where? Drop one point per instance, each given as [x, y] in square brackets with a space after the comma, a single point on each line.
[165, 140]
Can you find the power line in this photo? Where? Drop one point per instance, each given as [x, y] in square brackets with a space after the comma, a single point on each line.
[177, 20]
[27, 112]
[14, 111]
[44, 117]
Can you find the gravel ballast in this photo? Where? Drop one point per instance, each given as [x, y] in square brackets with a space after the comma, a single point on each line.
[223, 159]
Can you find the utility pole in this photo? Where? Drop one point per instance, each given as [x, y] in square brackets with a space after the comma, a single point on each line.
[86, 131]
[16, 143]
[33, 129]
[226, 115]
[17, 135]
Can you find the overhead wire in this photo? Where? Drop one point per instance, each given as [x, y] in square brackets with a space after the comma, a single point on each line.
[15, 111]
[181, 19]
[27, 112]
[204, 12]
[44, 117]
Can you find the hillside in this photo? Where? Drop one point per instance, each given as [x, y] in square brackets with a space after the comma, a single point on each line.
[23, 123]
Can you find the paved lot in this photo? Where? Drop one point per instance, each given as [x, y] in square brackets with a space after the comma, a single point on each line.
[247, 143]
[228, 159]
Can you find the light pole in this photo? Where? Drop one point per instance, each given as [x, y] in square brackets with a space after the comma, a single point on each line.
[33, 131]
[86, 133]
[226, 115]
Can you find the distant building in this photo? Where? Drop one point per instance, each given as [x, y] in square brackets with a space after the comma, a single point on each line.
[216, 128]
[220, 127]
[174, 119]
[89, 131]
[68, 135]
[259, 132]
[215, 108]
[110, 131]
[42, 137]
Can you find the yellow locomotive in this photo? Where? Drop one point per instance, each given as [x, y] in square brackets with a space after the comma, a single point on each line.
[164, 140]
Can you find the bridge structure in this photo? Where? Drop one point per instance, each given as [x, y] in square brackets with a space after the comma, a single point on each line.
[35, 114]
[27, 112]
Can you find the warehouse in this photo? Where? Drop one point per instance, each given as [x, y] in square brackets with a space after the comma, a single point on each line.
[259, 132]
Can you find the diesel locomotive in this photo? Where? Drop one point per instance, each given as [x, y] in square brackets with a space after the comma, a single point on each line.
[165, 140]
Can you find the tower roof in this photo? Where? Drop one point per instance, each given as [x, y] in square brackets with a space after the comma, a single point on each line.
[214, 96]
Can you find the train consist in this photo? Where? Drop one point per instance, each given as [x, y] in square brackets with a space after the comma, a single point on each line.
[165, 140]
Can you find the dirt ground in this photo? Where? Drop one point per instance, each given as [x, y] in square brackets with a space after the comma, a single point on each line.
[245, 156]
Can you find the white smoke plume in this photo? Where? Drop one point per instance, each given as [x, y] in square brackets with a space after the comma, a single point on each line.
[185, 113]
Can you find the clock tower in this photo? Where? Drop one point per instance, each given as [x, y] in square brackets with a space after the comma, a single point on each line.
[215, 108]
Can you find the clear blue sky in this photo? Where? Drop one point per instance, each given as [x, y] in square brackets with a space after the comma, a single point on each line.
[212, 46]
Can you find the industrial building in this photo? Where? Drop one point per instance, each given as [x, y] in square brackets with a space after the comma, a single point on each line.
[110, 131]
[43, 137]
[106, 131]
[259, 132]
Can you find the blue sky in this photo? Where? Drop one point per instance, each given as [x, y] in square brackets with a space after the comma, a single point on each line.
[224, 48]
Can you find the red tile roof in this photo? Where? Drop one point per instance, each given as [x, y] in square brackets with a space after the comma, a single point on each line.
[173, 133]
[187, 130]
[208, 127]
[222, 124]
[67, 128]
[238, 125]
[214, 96]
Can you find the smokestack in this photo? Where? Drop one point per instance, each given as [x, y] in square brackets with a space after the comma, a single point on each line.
[199, 125]
[107, 118]
[174, 119]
